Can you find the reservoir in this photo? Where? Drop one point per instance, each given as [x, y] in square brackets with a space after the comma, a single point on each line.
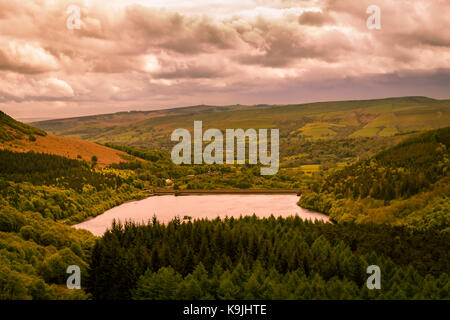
[167, 207]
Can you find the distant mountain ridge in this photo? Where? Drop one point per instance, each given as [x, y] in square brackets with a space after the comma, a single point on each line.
[314, 121]
[203, 107]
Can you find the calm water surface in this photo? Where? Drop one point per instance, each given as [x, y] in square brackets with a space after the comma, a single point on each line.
[165, 208]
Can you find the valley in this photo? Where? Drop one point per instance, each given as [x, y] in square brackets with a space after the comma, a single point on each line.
[377, 169]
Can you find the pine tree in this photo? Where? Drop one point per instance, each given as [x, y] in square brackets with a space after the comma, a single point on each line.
[227, 289]
[189, 289]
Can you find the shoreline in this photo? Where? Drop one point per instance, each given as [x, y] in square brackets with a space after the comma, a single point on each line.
[223, 191]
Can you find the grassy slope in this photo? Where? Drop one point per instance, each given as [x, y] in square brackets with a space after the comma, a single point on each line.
[39, 195]
[322, 120]
[20, 137]
[328, 134]
[404, 185]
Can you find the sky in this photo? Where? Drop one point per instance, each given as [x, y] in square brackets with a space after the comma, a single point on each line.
[145, 55]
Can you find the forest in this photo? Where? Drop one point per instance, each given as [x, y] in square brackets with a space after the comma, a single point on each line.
[273, 258]
[160, 167]
[40, 196]
[45, 169]
[404, 185]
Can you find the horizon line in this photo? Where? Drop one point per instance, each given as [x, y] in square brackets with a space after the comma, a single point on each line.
[30, 120]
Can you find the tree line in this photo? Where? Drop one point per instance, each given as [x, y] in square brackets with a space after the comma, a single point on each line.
[398, 172]
[47, 169]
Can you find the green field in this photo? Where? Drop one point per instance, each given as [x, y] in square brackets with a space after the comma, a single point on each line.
[323, 120]
[342, 131]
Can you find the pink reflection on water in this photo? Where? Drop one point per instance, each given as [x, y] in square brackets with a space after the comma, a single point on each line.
[166, 208]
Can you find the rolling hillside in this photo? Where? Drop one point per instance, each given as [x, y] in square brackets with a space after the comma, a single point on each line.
[325, 133]
[323, 120]
[399, 172]
[16, 136]
[408, 184]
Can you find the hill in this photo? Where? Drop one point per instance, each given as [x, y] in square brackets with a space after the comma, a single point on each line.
[407, 184]
[39, 195]
[332, 133]
[399, 172]
[20, 137]
[323, 120]
[41, 191]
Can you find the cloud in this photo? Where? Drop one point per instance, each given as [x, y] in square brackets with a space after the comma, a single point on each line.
[314, 18]
[28, 58]
[133, 53]
[18, 87]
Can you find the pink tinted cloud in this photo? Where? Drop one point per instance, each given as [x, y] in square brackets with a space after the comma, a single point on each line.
[131, 55]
